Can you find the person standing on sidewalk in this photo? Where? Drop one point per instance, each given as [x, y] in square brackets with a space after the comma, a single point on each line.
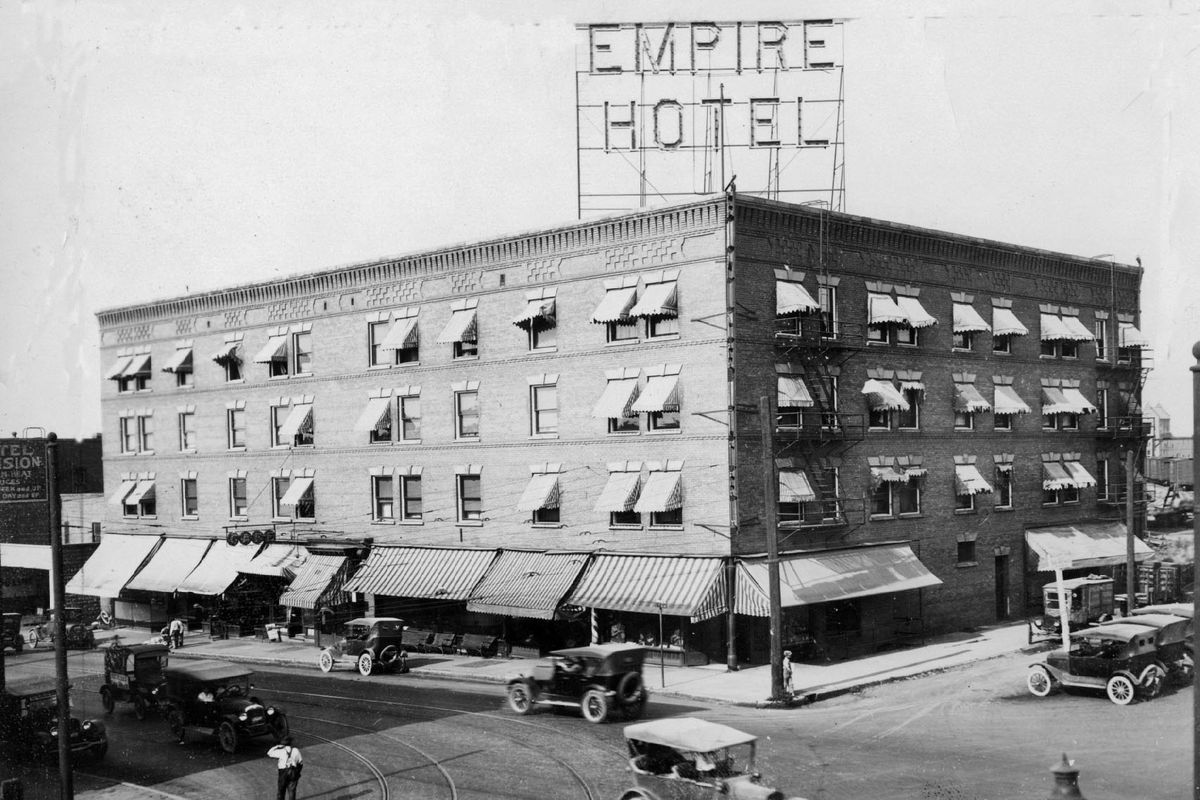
[176, 632]
[290, 765]
[787, 673]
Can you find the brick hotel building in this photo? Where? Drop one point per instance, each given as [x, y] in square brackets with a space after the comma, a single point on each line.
[557, 435]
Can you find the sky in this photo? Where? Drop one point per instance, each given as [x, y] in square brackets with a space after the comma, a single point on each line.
[151, 150]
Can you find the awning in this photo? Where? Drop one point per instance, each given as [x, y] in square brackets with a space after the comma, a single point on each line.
[276, 347]
[883, 396]
[833, 575]
[521, 583]
[792, 393]
[226, 352]
[118, 497]
[139, 364]
[674, 585]
[219, 569]
[967, 398]
[534, 310]
[300, 414]
[967, 319]
[1054, 329]
[432, 573]
[1005, 323]
[540, 492]
[275, 561]
[117, 370]
[659, 394]
[662, 492]
[882, 310]
[377, 408]
[295, 491]
[620, 493]
[791, 297]
[794, 487]
[460, 328]
[1055, 477]
[143, 490]
[1130, 336]
[1079, 475]
[26, 556]
[915, 313]
[318, 582]
[173, 562]
[888, 475]
[1055, 402]
[1077, 329]
[1009, 402]
[967, 480]
[402, 335]
[182, 358]
[657, 301]
[1083, 545]
[115, 561]
[615, 305]
[1079, 403]
[616, 399]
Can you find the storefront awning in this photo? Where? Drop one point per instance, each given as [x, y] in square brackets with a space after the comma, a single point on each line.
[833, 575]
[882, 310]
[915, 313]
[615, 305]
[1055, 477]
[794, 487]
[657, 301]
[173, 562]
[675, 585]
[376, 411]
[540, 492]
[883, 396]
[402, 335]
[967, 319]
[620, 493]
[318, 582]
[275, 561]
[662, 492]
[460, 328]
[297, 418]
[1009, 402]
[792, 393]
[521, 583]
[967, 480]
[967, 398]
[792, 297]
[276, 347]
[1005, 323]
[616, 399]
[295, 491]
[115, 561]
[1083, 545]
[660, 394]
[181, 359]
[219, 568]
[1131, 336]
[540, 309]
[433, 573]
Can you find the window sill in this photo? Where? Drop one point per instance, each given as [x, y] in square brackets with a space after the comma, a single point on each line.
[664, 432]
[298, 520]
[408, 441]
[548, 525]
[411, 522]
[543, 435]
[190, 518]
[466, 358]
[962, 350]
[239, 519]
[662, 337]
[377, 367]
[1002, 352]
[235, 380]
[964, 430]
[911, 515]
[536, 350]
[666, 527]
[621, 342]
[466, 440]
[383, 522]
[966, 564]
[191, 451]
[237, 449]
[625, 527]
[882, 517]
[962, 512]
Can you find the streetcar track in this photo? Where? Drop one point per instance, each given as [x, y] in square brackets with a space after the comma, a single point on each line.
[379, 776]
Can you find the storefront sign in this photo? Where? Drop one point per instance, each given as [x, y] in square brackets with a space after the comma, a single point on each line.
[24, 491]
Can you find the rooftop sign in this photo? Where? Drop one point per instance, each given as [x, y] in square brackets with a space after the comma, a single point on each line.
[24, 491]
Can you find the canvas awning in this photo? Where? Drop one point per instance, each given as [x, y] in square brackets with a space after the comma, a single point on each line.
[794, 487]
[117, 370]
[180, 359]
[296, 490]
[522, 583]
[170, 565]
[540, 492]
[540, 309]
[1055, 477]
[377, 409]
[967, 480]
[433, 573]
[657, 301]
[300, 414]
[620, 493]
[615, 305]
[659, 394]
[616, 399]
[883, 396]
[1005, 323]
[1083, 545]
[967, 398]
[1130, 336]
[318, 582]
[113, 563]
[226, 352]
[118, 497]
[26, 556]
[1055, 402]
[915, 313]
[639, 584]
[888, 474]
[402, 335]
[143, 491]
[219, 568]
[1079, 403]
[792, 393]
[1054, 329]
[1079, 474]
[967, 319]
[792, 297]
[275, 561]
[460, 328]
[831, 575]
[1077, 329]
[276, 347]
[1009, 402]
[882, 310]
[139, 364]
[663, 492]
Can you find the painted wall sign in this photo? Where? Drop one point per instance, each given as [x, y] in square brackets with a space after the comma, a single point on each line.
[23, 471]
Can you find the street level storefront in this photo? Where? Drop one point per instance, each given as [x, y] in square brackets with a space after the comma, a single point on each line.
[153, 591]
[316, 599]
[253, 599]
[525, 590]
[1085, 547]
[114, 564]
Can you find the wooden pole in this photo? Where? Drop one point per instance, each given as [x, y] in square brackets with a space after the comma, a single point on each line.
[1196, 580]
[58, 600]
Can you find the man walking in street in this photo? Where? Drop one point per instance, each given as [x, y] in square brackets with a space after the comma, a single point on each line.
[290, 763]
[787, 673]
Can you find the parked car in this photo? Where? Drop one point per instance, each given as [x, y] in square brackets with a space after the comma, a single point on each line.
[10, 632]
[213, 698]
[1178, 609]
[1089, 600]
[601, 679]
[1120, 659]
[371, 643]
[1174, 640]
[693, 759]
[29, 722]
[133, 674]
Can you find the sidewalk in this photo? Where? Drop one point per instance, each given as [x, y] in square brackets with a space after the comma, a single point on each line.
[714, 683]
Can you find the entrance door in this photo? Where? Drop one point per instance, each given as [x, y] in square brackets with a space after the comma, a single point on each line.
[1002, 606]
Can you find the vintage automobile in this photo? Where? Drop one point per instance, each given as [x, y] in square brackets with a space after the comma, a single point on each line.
[10, 632]
[1120, 659]
[133, 674]
[1174, 640]
[1178, 609]
[371, 643]
[601, 679]
[1089, 600]
[685, 758]
[213, 698]
[79, 633]
[29, 722]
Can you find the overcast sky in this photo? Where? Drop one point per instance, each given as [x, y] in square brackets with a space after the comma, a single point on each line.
[150, 150]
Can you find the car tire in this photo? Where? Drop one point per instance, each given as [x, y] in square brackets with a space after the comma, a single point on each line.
[629, 689]
[366, 664]
[520, 698]
[1120, 690]
[175, 724]
[325, 661]
[594, 705]
[139, 707]
[227, 735]
[1152, 683]
[389, 657]
[1039, 681]
[279, 726]
[106, 700]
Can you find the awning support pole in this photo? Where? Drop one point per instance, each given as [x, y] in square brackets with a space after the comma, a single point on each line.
[1130, 564]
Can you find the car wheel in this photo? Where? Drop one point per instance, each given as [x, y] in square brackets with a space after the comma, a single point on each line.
[1120, 690]
[630, 688]
[1152, 683]
[389, 657]
[106, 700]
[139, 706]
[325, 661]
[175, 723]
[594, 705]
[1039, 681]
[279, 726]
[366, 663]
[228, 737]
[519, 698]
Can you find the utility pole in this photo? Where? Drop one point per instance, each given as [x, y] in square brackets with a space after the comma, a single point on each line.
[1130, 564]
[58, 600]
[1196, 584]
[770, 489]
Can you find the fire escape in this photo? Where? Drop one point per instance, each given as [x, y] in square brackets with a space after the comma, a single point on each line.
[1128, 429]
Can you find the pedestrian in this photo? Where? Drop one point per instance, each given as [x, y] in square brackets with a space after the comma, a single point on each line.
[787, 673]
[176, 633]
[291, 764]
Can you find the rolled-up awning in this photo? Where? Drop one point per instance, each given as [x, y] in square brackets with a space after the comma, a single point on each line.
[792, 393]
[296, 490]
[540, 309]
[792, 297]
[460, 328]
[318, 582]
[882, 310]
[794, 487]
[377, 409]
[967, 480]
[831, 575]
[219, 568]
[663, 492]
[1009, 402]
[657, 301]
[1054, 329]
[170, 565]
[1055, 402]
[967, 319]
[300, 414]
[1005, 323]
[115, 561]
[616, 399]
[915, 313]
[522, 583]
[967, 398]
[1083, 545]
[1055, 477]
[181, 359]
[275, 561]
[620, 493]
[1131, 336]
[432, 573]
[673, 585]
[276, 347]
[883, 396]
[615, 305]
[540, 492]
[1079, 474]
[660, 394]
[402, 335]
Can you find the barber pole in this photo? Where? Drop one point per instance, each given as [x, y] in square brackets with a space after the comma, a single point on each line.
[595, 627]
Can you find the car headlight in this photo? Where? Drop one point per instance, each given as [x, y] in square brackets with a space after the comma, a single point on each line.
[270, 711]
[87, 726]
[242, 717]
[54, 731]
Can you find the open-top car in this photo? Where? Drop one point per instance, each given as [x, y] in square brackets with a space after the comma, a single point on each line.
[133, 674]
[601, 679]
[29, 721]
[1120, 659]
[213, 698]
[685, 758]
[371, 643]
[1174, 640]
[10, 632]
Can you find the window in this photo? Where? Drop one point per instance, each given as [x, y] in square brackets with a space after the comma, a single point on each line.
[881, 500]
[383, 508]
[964, 420]
[672, 518]
[461, 330]
[410, 491]
[141, 501]
[1002, 422]
[966, 552]
[470, 498]
[908, 498]
[665, 420]
[662, 326]
[466, 415]
[294, 498]
[625, 330]
[1001, 344]
[827, 300]
[287, 354]
[187, 431]
[1049, 348]
[136, 375]
[230, 359]
[279, 415]
[964, 340]
[292, 425]
[615, 404]
[181, 365]
[137, 434]
[1102, 478]
[792, 398]
[129, 440]
[1003, 493]
[1049, 422]
[1069, 494]
[410, 417]
[910, 419]
[376, 355]
[1068, 422]
[302, 347]
[829, 401]
[905, 336]
[543, 410]
[1069, 349]
[879, 419]
[381, 430]
[660, 399]
[235, 428]
[543, 516]
[1100, 329]
[238, 507]
[189, 497]
[964, 502]
[659, 305]
[391, 342]
[613, 312]
[1101, 407]
[624, 519]
[543, 334]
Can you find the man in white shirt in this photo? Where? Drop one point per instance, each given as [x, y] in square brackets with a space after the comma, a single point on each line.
[291, 763]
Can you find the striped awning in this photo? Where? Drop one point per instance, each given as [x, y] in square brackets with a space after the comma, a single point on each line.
[1009, 402]
[275, 561]
[171, 564]
[1055, 477]
[791, 297]
[1131, 336]
[657, 301]
[522, 583]
[888, 474]
[300, 415]
[883, 396]
[914, 313]
[218, 569]
[616, 399]
[115, 561]
[318, 582]
[540, 309]
[792, 393]
[967, 480]
[615, 305]
[675, 585]
[967, 398]
[275, 347]
[402, 335]
[540, 492]
[620, 493]
[433, 573]
[376, 410]
[794, 487]
[180, 359]
[139, 364]
[143, 490]
[967, 319]
[882, 310]
[663, 492]
[295, 492]
[1083, 545]
[460, 328]
[1005, 323]
[226, 352]
[661, 392]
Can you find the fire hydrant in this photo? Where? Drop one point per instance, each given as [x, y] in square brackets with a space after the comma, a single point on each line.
[1066, 781]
